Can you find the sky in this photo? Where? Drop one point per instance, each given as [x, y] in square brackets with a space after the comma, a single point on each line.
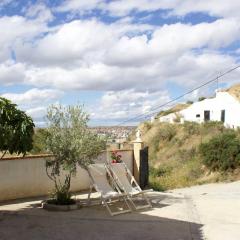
[118, 58]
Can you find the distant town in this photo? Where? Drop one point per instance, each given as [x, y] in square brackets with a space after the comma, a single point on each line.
[114, 133]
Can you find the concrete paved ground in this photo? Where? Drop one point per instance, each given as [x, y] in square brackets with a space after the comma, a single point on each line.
[218, 209]
[202, 212]
[171, 218]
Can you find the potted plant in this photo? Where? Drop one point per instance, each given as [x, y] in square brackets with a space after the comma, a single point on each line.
[72, 144]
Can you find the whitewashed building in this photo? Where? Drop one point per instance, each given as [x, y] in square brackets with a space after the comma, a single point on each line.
[225, 107]
[170, 118]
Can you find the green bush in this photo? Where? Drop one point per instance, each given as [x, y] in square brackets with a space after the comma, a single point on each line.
[156, 186]
[39, 141]
[167, 133]
[164, 134]
[201, 99]
[222, 152]
[213, 125]
[160, 171]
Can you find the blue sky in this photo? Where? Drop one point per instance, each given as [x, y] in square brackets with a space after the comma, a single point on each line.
[119, 58]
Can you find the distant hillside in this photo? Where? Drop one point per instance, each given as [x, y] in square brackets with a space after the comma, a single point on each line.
[234, 91]
[174, 154]
[174, 109]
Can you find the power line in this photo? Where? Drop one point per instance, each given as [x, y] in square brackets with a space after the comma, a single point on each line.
[177, 98]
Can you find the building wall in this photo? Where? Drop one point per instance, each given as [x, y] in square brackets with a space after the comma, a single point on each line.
[168, 118]
[26, 177]
[222, 101]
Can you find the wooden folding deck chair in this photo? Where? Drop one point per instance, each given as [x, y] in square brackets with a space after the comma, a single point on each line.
[98, 174]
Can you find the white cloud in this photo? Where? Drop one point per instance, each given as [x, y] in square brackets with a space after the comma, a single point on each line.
[37, 113]
[172, 40]
[77, 6]
[89, 55]
[124, 104]
[114, 57]
[35, 102]
[186, 70]
[38, 11]
[34, 96]
[120, 8]
[17, 27]
[219, 8]
[17, 30]
[11, 73]
[76, 43]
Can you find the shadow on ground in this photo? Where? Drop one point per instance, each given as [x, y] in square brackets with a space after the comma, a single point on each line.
[25, 220]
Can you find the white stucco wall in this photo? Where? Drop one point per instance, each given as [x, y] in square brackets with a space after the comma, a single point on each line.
[21, 178]
[222, 101]
[168, 118]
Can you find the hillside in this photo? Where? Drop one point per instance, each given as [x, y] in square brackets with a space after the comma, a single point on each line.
[174, 109]
[175, 160]
[234, 91]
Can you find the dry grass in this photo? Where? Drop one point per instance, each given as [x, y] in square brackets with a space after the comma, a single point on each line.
[174, 160]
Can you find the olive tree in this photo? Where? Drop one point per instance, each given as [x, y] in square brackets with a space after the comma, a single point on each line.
[16, 129]
[72, 143]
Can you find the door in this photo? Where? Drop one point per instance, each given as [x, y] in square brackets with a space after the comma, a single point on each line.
[206, 115]
[144, 168]
[223, 116]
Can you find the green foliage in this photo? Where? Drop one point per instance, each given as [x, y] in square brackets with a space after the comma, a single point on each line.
[179, 163]
[156, 186]
[189, 102]
[16, 129]
[201, 99]
[166, 133]
[175, 173]
[222, 152]
[61, 195]
[216, 125]
[39, 141]
[72, 144]
[160, 171]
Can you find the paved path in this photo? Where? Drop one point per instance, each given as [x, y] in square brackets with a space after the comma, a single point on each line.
[218, 209]
[203, 212]
[170, 219]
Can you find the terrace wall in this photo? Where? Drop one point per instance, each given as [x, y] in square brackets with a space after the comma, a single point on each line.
[26, 177]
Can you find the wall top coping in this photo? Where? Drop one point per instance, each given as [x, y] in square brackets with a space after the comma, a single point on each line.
[28, 157]
[41, 156]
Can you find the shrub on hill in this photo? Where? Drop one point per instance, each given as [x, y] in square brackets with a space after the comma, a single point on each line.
[39, 141]
[222, 152]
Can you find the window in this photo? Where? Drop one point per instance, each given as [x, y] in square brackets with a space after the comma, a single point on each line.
[197, 115]
[206, 115]
[223, 116]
